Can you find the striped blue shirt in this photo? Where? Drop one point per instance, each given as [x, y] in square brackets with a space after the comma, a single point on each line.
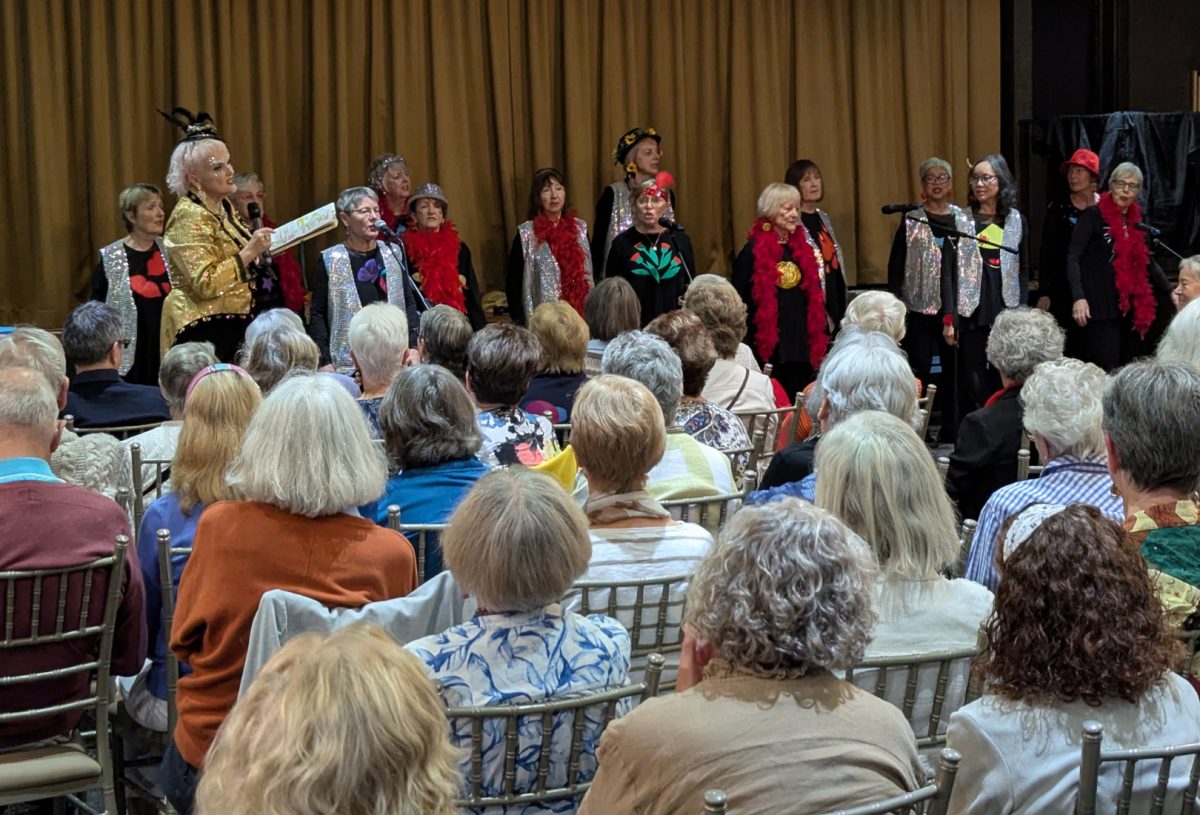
[1066, 480]
[805, 489]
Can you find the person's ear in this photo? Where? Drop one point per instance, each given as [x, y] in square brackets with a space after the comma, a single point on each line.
[115, 353]
[56, 440]
[823, 412]
[63, 389]
[1114, 461]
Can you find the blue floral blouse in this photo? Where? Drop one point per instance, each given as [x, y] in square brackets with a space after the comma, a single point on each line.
[521, 658]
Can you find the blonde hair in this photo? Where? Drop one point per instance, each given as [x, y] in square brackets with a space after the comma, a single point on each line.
[133, 197]
[517, 541]
[877, 476]
[28, 346]
[347, 723]
[277, 352]
[617, 432]
[877, 310]
[378, 340]
[563, 335]
[215, 416]
[308, 451]
[775, 197]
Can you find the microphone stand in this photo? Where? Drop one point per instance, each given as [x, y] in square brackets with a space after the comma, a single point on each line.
[402, 259]
[674, 228]
[1156, 243]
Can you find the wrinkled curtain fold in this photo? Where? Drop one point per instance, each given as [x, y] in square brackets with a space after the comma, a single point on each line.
[477, 94]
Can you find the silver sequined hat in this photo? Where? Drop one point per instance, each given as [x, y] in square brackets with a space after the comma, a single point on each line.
[429, 190]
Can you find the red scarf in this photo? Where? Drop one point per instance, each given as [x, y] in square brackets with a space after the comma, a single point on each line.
[768, 251]
[995, 397]
[435, 256]
[1130, 262]
[562, 236]
[392, 218]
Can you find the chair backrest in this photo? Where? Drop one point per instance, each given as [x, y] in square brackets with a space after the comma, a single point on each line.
[162, 470]
[714, 802]
[931, 799]
[48, 606]
[712, 511]
[120, 431]
[529, 731]
[965, 536]
[420, 532]
[943, 465]
[1093, 756]
[770, 422]
[1189, 665]
[1025, 470]
[907, 671]
[166, 553]
[563, 431]
[925, 403]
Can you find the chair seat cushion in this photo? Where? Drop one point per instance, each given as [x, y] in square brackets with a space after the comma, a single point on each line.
[47, 767]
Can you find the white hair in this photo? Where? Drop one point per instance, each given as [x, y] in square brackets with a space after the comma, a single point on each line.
[877, 310]
[1021, 339]
[648, 359]
[1126, 169]
[1062, 404]
[186, 156]
[867, 371]
[1181, 343]
[28, 346]
[775, 197]
[378, 340]
[271, 319]
[25, 400]
[308, 450]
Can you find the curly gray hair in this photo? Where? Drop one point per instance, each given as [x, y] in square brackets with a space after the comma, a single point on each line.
[1061, 401]
[786, 589]
[645, 358]
[1021, 339]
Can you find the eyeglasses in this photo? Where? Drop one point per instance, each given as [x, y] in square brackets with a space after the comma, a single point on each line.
[366, 211]
[982, 180]
[1130, 186]
[937, 179]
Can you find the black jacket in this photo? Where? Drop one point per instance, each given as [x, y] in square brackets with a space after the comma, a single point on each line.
[985, 458]
[791, 464]
[103, 399]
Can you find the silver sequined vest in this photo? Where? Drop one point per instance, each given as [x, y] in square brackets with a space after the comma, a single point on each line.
[542, 282]
[344, 302]
[120, 296]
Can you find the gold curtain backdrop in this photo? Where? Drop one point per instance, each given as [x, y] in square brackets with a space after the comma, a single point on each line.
[477, 94]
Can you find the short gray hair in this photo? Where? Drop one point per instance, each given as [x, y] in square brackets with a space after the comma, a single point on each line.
[378, 340]
[90, 331]
[28, 346]
[445, 332]
[276, 353]
[1152, 418]
[179, 365]
[648, 359]
[1061, 403]
[775, 197]
[517, 542]
[427, 417]
[785, 590]
[184, 158]
[243, 180]
[877, 310]
[1126, 169]
[1021, 339]
[1181, 343]
[308, 451]
[934, 163]
[26, 402]
[271, 319]
[1191, 265]
[867, 371]
[348, 200]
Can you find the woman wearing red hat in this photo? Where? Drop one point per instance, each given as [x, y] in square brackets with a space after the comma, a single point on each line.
[1113, 275]
[1082, 172]
[638, 151]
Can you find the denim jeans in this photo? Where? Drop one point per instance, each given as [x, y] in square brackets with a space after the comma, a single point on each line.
[178, 780]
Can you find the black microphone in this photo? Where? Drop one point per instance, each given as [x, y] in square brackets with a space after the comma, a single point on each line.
[669, 225]
[892, 209]
[1152, 231]
[382, 226]
[256, 223]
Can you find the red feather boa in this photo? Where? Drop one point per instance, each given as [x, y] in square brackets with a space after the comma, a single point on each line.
[1131, 259]
[435, 256]
[768, 251]
[562, 236]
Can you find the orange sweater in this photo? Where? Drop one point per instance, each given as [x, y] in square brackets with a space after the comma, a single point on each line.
[243, 549]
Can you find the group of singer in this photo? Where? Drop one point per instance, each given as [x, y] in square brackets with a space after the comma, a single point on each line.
[208, 271]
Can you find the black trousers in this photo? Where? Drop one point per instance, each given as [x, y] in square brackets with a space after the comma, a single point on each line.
[977, 380]
[923, 340]
[793, 376]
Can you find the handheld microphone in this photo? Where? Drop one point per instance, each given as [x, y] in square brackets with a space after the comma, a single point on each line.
[669, 225]
[382, 226]
[1152, 231]
[892, 209]
[256, 223]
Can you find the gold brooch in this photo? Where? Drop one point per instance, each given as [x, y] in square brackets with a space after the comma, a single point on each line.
[789, 274]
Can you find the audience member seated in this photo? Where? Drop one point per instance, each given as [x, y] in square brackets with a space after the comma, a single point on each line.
[344, 723]
[1061, 404]
[704, 421]
[618, 435]
[96, 461]
[611, 308]
[277, 352]
[1181, 342]
[1076, 636]
[985, 456]
[178, 366]
[878, 477]
[445, 332]
[564, 338]
[218, 407]
[431, 436]
[93, 341]
[47, 524]
[517, 543]
[275, 319]
[378, 346]
[501, 359]
[783, 600]
[306, 457]
[688, 469]
[732, 383]
[865, 370]
[1151, 417]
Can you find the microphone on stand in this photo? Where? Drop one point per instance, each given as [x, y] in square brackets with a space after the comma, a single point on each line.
[382, 226]
[256, 223]
[1152, 231]
[893, 209]
[669, 225]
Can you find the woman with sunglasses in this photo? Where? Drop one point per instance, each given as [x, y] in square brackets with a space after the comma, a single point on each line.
[1112, 275]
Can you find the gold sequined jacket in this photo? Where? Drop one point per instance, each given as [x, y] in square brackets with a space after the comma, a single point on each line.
[207, 276]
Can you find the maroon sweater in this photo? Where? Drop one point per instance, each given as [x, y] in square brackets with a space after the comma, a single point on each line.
[45, 525]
